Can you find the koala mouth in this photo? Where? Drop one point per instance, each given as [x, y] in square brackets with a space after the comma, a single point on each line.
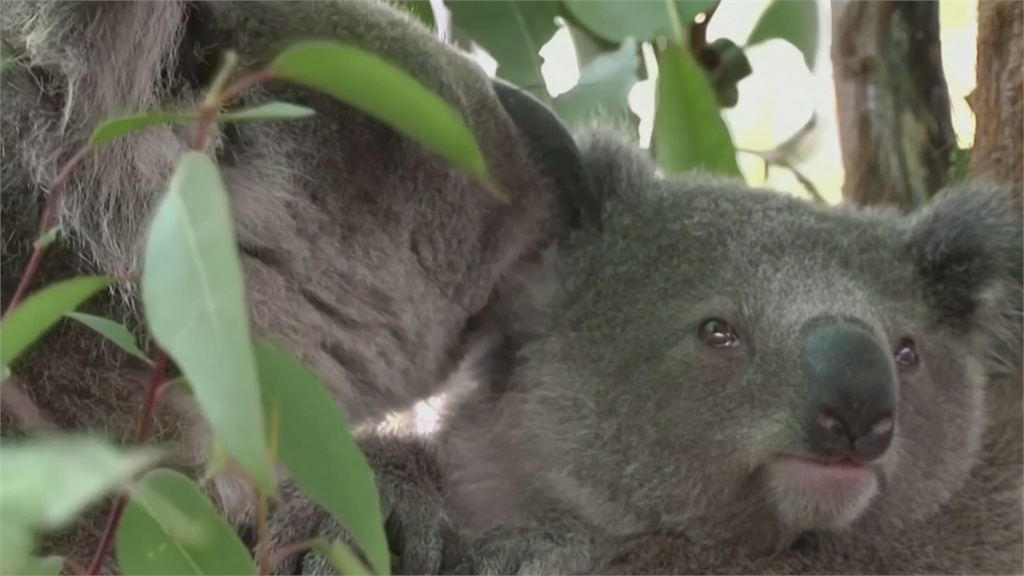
[817, 493]
[830, 475]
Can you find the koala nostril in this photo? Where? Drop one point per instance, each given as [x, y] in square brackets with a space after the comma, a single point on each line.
[834, 436]
[875, 441]
[830, 422]
[882, 427]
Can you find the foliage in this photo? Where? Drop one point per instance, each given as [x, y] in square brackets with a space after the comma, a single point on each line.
[264, 406]
[689, 134]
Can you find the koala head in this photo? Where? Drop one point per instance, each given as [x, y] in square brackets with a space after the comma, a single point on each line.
[720, 357]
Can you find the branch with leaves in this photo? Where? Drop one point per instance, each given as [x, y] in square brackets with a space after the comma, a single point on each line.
[260, 401]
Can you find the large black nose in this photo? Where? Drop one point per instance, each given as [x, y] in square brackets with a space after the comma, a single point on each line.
[852, 395]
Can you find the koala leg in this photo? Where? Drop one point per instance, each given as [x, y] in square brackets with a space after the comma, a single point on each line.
[420, 534]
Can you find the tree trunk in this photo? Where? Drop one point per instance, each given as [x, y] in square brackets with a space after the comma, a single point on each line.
[895, 122]
[998, 99]
[998, 104]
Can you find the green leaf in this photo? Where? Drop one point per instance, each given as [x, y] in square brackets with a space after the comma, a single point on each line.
[421, 9]
[795, 21]
[117, 127]
[733, 66]
[16, 543]
[37, 313]
[194, 299]
[341, 557]
[689, 130]
[6, 59]
[587, 45]
[513, 33]
[603, 88]
[46, 566]
[170, 527]
[960, 166]
[387, 94]
[269, 111]
[47, 238]
[641, 19]
[113, 331]
[46, 482]
[5, 373]
[334, 474]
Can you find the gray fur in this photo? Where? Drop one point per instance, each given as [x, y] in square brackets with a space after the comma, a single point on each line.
[618, 423]
[364, 254]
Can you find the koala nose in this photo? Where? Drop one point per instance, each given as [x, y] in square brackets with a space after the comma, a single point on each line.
[851, 393]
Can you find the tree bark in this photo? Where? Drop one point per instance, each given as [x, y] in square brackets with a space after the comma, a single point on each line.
[895, 123]
[998, 99]
[998, 103]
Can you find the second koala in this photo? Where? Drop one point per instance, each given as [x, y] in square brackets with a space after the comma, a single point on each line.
[781, 388]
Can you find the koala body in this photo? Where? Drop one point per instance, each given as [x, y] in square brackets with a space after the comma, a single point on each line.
[719, 376]
[364, 254]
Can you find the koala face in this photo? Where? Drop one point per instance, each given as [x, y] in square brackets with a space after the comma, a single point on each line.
[749, 357]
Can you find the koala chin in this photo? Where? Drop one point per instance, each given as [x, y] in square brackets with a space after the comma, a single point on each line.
[811, 495]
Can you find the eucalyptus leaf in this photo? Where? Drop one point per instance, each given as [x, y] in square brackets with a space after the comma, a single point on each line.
[603, 88]
[195, 305]
[117, 127]
[341, 557]
[588, 45]
[47, 238]
[113, 331]
[41, 310]
[513, 33]
[643, 20]
[41, 566]
[795, 21]
[388, 94]
[170, 527]
[5, 56]
[690, 132]
[267, 112]
[47, 482]
[335, 474]
[733, 66]
[17, 539]
[960, 165]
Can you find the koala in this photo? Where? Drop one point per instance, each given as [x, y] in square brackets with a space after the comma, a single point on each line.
[372, 260]
[724, 380]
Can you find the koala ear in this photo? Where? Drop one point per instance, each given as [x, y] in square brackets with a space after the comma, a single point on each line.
[553, 148]
[615, 167]
[968, 246]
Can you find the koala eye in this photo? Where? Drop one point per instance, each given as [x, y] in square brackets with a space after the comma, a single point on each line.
[718, 334]
[906, 354]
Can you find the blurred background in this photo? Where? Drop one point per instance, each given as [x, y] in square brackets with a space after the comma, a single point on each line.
[782, 93]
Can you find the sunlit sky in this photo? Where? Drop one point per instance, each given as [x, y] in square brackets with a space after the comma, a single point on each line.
[779, 97]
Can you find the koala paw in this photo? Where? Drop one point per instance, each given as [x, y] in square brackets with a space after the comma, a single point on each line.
[530, 550]
[421, 537]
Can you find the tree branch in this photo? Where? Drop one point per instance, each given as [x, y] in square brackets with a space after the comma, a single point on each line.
[895, 124]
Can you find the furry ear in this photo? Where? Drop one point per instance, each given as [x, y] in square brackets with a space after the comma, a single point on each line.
[553, 148]
[615, 167]
[967, 246]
